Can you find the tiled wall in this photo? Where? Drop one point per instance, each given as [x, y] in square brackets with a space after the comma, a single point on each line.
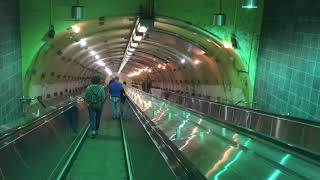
[288, 71]
[10, 61]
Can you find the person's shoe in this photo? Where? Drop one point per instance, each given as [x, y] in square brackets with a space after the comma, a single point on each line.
[93, 134]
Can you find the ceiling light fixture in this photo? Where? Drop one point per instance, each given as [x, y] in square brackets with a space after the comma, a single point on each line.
[159, 66]
[101, 63]
[108, 71]
[183, 61]
[196, 61]
[142, 29]
[76, 28]
[227, 45]
[77, 11]
[83, 42]
[92, 52]
[219, 19]
[250, 4]
[134, 44]
[136, 36]
[97, 57]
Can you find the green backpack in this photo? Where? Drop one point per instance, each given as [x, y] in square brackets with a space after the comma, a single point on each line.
[95, 99]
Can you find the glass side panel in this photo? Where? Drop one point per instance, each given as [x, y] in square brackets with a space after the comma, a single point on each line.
[33, 109]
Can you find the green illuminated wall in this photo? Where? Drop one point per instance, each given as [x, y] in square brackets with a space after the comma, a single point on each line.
[35, 20]
[244, 23]
[288, 73]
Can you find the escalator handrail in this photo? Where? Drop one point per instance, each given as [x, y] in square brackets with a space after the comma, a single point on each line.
[188, 166]
[59, 110]
[242, 108]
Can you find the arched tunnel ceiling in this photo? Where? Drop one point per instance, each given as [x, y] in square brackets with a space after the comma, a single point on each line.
[110, 42]
[167, 42]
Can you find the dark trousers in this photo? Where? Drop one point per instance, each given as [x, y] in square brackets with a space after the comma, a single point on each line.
[94, 115]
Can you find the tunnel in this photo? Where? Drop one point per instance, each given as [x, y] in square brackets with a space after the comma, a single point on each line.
[150, 89]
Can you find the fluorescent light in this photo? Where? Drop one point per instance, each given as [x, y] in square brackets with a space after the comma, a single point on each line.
[142, 29]
[159, 66]
[149, 70]
[129, 53]
[137, 37]
[101, 63]
[133, 44]
[92, 52]
[163, 67]
[83, 42]
[97, 57]
[131, 49]
[183, 61]
[76, 28]
[196, 61]
[250, 4]
[108, 71]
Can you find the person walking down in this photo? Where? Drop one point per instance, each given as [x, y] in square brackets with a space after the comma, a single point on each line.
[94, 96]
[123, 102]
[149, 86]
[144, 86]
[115, 93]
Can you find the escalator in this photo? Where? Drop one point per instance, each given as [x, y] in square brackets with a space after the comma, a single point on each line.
[220, 150]
[157, 140]
[120, 151]
[56, 146]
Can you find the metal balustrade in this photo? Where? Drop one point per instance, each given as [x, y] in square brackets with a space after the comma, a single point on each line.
[294, 132]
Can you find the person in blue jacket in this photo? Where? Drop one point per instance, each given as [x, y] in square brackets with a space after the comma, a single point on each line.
[115, 90]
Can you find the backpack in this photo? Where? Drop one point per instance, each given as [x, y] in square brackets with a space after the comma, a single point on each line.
[95, 97]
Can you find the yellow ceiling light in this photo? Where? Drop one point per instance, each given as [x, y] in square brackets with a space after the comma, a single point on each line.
[227, 45]
[76, 28]
[196, 61]
[92, 52]
[83, 42]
